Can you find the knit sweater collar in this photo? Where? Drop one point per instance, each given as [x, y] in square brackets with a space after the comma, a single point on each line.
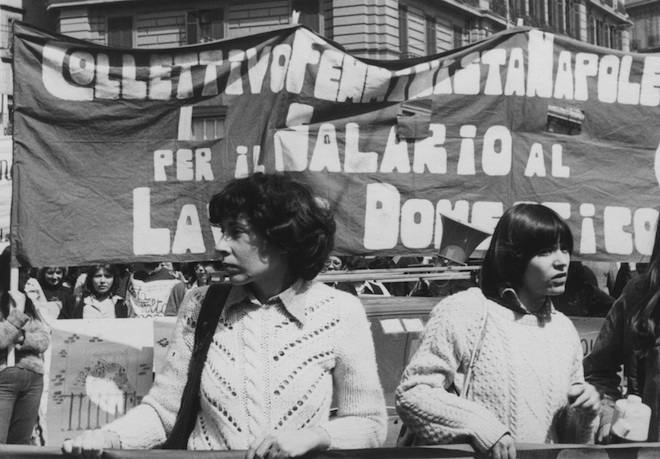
[509, 299]
[293, 299]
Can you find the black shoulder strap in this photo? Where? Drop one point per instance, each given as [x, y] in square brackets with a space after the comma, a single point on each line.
[207, 322]
[209, 315]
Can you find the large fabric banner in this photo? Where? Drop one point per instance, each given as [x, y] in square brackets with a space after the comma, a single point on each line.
[105, 168]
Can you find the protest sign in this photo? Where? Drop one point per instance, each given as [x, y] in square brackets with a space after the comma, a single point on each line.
[99, 369]
[106, 170]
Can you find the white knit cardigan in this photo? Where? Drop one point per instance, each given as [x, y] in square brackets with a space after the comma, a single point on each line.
[519, 385]
[270, 367]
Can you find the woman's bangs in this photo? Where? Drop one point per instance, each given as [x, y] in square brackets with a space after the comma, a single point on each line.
[546, 233]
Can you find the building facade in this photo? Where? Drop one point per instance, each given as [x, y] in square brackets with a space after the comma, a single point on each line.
[645, 16]
[377, 29]
[34, 12]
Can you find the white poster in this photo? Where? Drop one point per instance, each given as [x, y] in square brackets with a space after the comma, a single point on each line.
[100, 368]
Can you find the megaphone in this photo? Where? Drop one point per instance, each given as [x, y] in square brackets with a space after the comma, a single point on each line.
[459, 240]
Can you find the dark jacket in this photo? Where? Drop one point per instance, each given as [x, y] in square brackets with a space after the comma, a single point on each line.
[73, 308]
[614, 347]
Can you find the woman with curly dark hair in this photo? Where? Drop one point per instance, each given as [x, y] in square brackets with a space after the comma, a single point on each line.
[629, 337]
[285, 346]
[98, 299]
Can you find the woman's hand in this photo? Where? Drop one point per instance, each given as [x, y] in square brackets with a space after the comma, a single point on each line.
[503, 449]
[603, 434]
[584, 398]
[90, 444]
[17, 300]
[278, 444]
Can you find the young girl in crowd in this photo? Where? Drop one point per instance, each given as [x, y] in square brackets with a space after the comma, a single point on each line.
[284, 347]
[98, 299]
[629, 337]
[526, 384]
[21, 385]
[52, 284]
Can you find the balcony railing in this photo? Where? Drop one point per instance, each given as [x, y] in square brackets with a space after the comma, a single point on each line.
[474, 3]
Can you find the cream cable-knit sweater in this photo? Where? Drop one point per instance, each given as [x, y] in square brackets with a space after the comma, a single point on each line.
[268, 370]
[519, 384]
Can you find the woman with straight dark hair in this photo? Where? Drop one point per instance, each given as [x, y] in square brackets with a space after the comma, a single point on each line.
[499, 364]
[21, 385]
[98, 299]
[629, 337]
[285, 345]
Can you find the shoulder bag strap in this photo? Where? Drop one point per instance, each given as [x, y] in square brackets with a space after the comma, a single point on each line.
[475, 354]
[207, 322]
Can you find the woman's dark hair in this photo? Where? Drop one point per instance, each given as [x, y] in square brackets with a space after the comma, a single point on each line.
[524, 231]
[646, 320]
[284, 210]
[113, 270]
[5, 277]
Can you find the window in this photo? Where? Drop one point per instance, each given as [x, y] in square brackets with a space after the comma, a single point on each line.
[572, 12]
[431, 38]
[591, 30]
[614, 38]
[552, 15]
[120, 32]
[208, 122]
[403, 29]
[458, 36]
[208, 128]
[310, 13]
[537, 13]
[205, 25]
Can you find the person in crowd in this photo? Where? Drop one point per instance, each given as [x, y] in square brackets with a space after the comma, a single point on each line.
[150, 289]
[98, 299]
[48, 290]
[284, 348]
[201, 276]
[526, 382]
[336, 263]
[21, 385]
[174, 268]
[629, 337]
[367, 287]
[49, 285]
[582, 297]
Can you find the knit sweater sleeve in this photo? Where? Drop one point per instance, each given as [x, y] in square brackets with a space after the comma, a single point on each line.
[148, 424]
[423, 400]
[11, 326]
[573, 426]
[361, 420]
[37, 337]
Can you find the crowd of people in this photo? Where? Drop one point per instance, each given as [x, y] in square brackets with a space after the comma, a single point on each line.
[257, 363]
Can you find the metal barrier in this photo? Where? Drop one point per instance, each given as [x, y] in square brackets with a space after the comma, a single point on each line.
[525, 451]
